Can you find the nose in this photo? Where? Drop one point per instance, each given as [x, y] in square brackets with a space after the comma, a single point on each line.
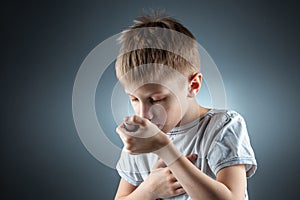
[145, 111]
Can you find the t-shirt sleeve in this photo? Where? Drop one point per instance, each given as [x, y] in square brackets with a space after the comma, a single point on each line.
[232, 146]
[128, 169]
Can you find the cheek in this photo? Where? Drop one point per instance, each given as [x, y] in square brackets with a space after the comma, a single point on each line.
[172, 118]
[174, 110]
[169, 111]
[135, 108]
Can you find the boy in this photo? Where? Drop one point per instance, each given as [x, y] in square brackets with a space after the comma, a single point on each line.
[173, 147]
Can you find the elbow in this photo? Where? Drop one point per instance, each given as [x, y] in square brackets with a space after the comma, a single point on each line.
[119, 198]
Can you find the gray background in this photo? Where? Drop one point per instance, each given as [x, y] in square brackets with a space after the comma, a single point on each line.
[255, 45]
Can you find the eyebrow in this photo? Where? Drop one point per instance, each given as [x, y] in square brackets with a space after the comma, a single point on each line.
[158, 94]
[151, 94]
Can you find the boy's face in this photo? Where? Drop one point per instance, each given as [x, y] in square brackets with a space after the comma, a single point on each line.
[164, 104]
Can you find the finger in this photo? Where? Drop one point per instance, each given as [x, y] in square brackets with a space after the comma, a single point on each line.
[126, 138]
[179, 191]
[136, 120]
[172, 178]
[159, 164]
[192, 157]
[121, 130]
[118, 130]
[167, 170]
[176, 185]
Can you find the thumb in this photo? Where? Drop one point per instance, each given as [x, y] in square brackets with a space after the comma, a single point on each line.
[159, 164]
[192, 157]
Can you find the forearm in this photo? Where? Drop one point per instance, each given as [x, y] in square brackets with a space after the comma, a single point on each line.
[197, 184]
[142, 192]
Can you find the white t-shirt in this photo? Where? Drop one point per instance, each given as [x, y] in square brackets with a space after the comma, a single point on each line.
[219, 138]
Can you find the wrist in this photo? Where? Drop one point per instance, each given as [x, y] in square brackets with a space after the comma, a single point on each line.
[168, 153]
[147, 188]
[161, 140]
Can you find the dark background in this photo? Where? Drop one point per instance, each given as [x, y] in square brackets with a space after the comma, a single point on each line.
[255, 45]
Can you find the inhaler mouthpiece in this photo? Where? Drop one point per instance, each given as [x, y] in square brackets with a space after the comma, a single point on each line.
[131, 127]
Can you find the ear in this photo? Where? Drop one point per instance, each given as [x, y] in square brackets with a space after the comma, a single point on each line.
[195, 82]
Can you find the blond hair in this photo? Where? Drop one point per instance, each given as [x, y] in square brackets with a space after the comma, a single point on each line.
[159, 40]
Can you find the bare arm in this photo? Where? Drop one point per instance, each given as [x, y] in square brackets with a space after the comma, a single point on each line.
[124, 189]
[128, 191]
[230, 182]
[161, 183]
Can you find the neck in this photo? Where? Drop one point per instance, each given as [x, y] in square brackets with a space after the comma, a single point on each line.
[193, 112]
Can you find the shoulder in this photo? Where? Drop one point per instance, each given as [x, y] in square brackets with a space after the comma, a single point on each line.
[224, 114]
[229, 144]
[224, 123]
[220, 117]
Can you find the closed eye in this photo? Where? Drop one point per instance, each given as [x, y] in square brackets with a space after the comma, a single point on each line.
[133, 99]
[156, 100]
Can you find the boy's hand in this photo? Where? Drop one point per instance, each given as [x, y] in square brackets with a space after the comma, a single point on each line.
[147, 138]
[161, 181]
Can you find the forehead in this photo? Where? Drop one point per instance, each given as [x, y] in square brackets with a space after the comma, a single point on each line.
[164, 87]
